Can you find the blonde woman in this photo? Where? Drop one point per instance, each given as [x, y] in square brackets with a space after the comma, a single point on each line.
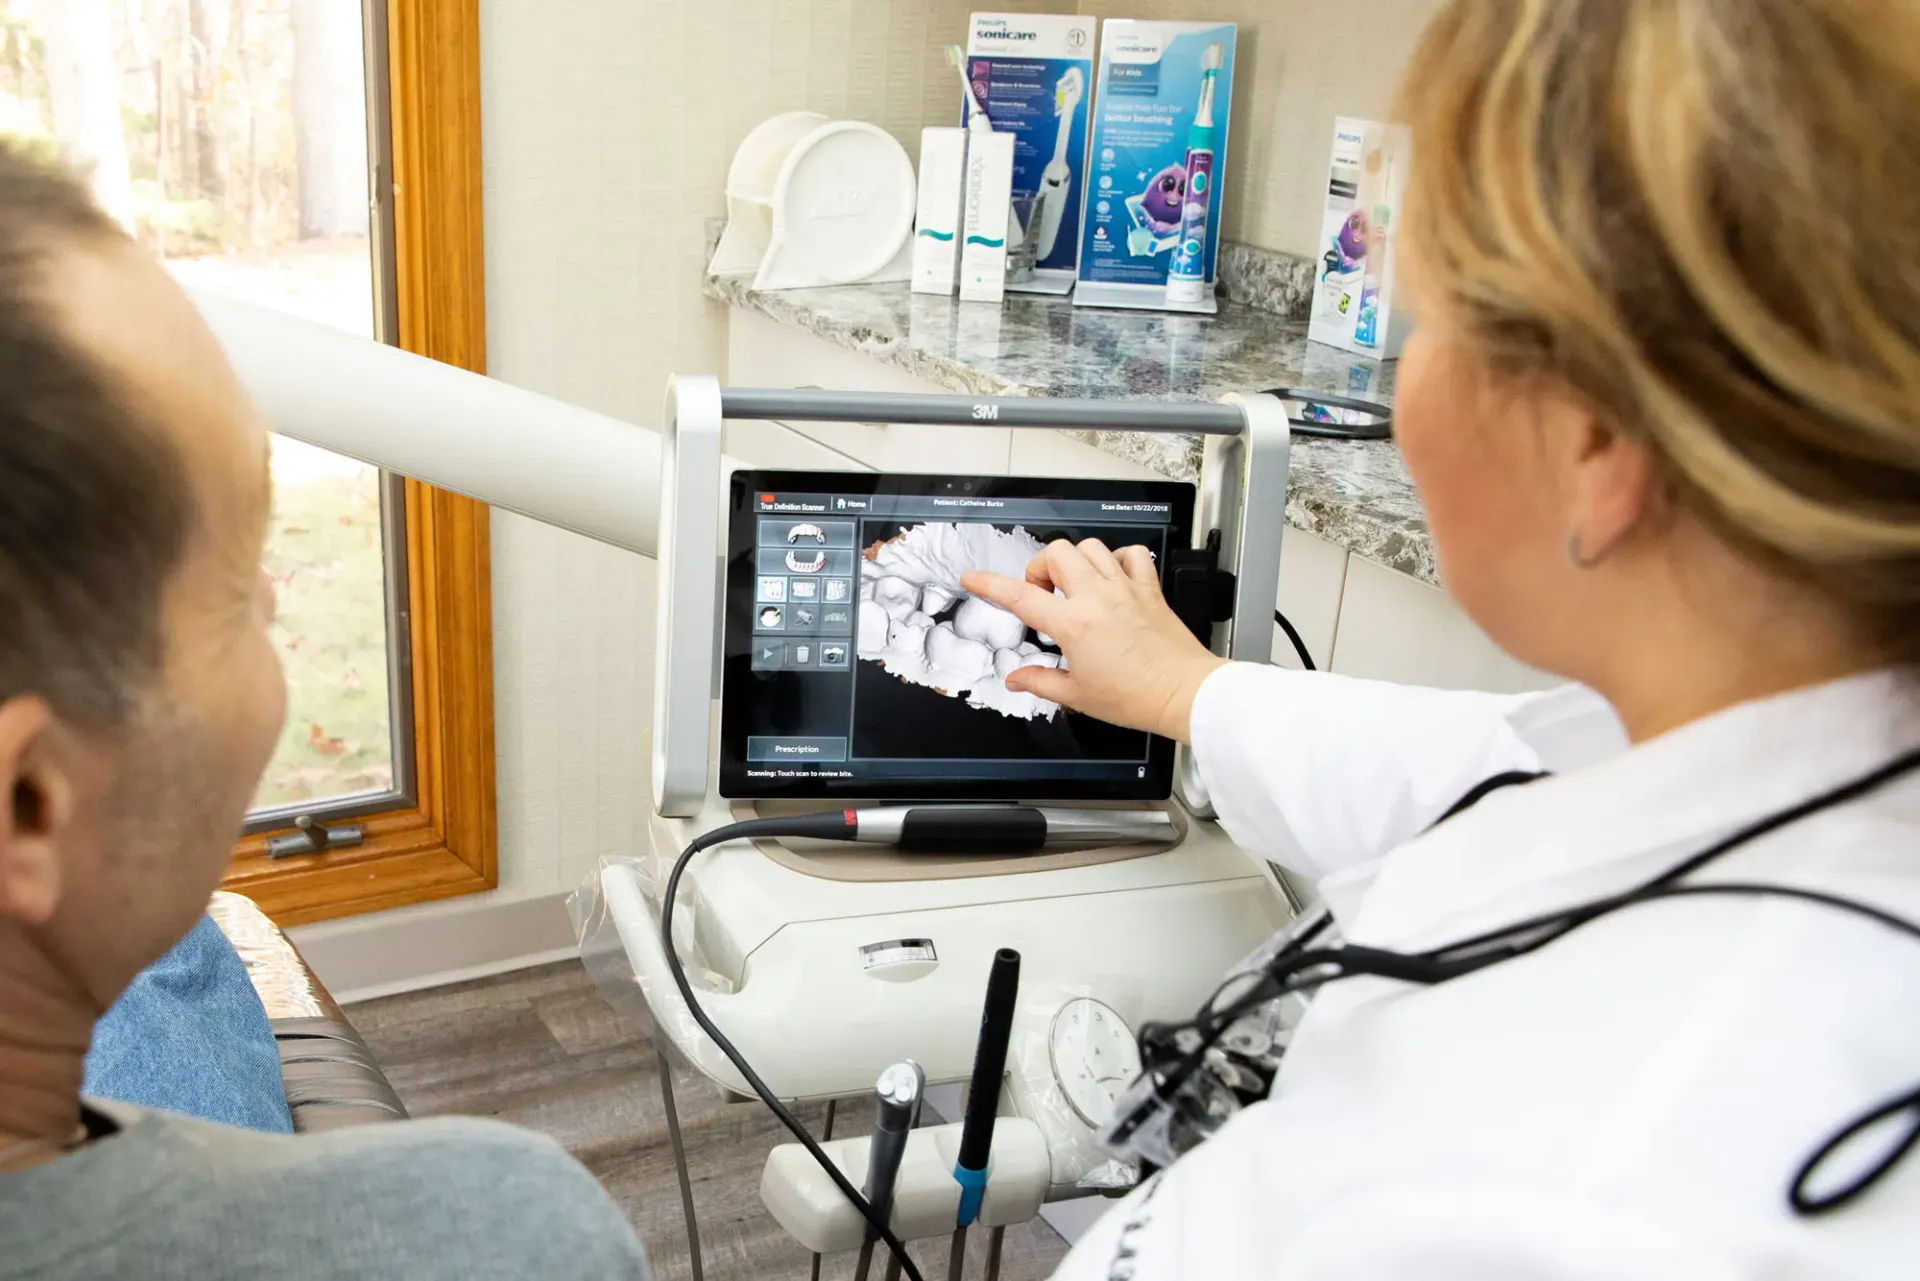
[1663, 406]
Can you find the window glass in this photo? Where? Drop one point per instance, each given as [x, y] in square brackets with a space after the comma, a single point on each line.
[230, 136]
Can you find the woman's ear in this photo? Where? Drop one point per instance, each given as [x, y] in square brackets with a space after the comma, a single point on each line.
[36, 807]
[1611, 485]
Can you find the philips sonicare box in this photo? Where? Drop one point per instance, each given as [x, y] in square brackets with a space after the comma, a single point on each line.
[1150, 231]
[1353, 303]
[1034, 74]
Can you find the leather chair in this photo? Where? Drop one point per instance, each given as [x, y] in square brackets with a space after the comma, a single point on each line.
[332, 1079]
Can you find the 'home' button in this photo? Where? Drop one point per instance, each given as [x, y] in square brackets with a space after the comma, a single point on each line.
[765, 749]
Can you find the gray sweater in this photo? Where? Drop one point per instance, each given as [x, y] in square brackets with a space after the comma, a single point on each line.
[171, 1198]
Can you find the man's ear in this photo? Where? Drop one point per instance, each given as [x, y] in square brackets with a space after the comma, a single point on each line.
[36, 805]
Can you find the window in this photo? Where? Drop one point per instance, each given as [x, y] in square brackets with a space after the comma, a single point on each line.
[232, 137]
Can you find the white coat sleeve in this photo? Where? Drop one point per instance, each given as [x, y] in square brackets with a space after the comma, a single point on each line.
[1320, 773]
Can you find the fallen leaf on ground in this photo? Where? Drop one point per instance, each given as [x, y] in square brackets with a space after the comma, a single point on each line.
[319, 741]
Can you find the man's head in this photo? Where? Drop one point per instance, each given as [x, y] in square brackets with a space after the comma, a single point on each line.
[139, 694]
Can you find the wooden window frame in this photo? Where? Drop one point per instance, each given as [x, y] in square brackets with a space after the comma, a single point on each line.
[445, 843]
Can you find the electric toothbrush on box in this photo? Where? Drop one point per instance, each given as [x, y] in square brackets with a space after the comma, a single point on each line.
[1056, 182]
[1187, 274]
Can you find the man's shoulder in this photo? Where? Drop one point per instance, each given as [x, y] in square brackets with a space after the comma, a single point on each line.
[449, 1196]
[447, 1163]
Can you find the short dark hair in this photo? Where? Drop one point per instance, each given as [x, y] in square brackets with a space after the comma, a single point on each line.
[95, 508]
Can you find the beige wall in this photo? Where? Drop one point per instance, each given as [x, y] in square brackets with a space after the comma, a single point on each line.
[608, 126]
[1299, 64]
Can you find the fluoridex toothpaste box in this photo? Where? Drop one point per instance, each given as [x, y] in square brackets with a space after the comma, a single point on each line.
[1034, 72]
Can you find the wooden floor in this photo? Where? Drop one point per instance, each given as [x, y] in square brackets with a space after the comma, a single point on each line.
[541, 1049]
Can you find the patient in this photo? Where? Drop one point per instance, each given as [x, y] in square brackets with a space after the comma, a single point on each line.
[139, 700]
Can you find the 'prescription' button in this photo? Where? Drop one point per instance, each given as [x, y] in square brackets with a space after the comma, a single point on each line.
[763, 748]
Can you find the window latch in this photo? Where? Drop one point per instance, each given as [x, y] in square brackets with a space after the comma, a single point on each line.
[312, 837]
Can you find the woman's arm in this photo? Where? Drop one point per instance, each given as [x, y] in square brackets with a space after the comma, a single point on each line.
[1313, 771]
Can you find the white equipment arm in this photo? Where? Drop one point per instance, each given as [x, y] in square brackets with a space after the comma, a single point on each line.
[512, 448]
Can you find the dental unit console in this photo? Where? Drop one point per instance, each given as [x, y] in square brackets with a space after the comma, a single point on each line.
[819, 672]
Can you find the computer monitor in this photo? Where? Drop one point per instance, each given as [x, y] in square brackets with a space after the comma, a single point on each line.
[856, 666]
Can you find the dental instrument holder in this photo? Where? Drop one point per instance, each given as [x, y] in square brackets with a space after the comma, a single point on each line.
[1226, 593]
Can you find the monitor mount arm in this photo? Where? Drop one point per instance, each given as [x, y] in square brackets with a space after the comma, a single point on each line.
[659, 493]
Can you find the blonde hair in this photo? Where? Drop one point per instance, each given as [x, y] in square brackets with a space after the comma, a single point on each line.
[1703, 218]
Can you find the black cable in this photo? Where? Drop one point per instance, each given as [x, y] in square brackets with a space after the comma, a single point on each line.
[1299, 646]
[1316, 967]
[797, 826]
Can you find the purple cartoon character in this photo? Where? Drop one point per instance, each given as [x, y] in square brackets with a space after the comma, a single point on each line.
[1348, 251]
[1161, 201]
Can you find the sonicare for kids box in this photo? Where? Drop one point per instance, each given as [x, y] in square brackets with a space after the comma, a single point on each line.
[1158, 154]
[1034, 72]
[1353, 274]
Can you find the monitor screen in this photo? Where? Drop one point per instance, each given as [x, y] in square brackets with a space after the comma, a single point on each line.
[856, 666]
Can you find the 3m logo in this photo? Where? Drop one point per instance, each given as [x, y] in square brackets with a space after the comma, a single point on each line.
[986, 413]
[766, 498]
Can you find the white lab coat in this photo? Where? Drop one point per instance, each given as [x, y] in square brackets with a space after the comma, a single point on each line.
[1631, 1101]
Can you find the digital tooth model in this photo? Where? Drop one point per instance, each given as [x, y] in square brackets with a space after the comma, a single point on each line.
[801, 562]
[922, 627]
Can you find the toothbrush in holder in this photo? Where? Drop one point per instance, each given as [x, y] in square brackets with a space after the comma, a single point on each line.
[1187, 274]
[1057, 180]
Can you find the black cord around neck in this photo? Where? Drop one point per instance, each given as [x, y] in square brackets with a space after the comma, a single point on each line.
[1307, 970]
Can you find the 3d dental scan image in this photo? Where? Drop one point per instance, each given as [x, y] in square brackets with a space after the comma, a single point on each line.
[856, 655]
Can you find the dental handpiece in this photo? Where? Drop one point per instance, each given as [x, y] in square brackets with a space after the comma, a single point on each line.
[896, 1100]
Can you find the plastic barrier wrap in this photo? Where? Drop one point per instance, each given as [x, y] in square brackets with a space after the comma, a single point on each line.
[615, 912]
[604, 952]
[1034, 1076]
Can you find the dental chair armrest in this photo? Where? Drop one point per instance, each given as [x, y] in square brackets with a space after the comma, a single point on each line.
[330, 1076]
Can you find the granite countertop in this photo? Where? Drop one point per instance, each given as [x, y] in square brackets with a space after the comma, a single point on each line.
[1353, 493]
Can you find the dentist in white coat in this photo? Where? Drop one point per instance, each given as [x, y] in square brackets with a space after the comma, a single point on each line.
[1663, 407]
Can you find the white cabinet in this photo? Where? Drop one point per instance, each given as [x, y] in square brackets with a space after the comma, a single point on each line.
[776, 446]
[1313, 575]
[1397, 628]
